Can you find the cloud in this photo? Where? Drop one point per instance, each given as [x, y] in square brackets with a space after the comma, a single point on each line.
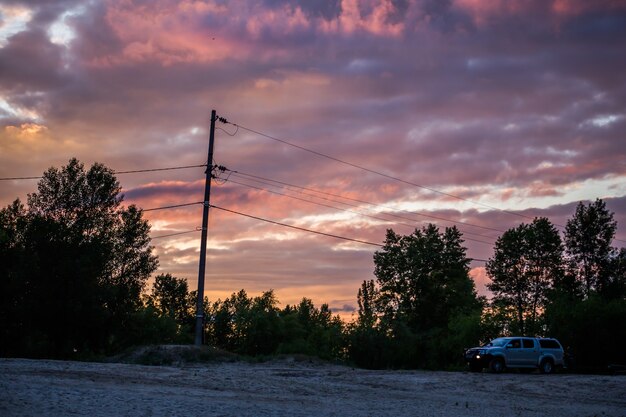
[516, 105]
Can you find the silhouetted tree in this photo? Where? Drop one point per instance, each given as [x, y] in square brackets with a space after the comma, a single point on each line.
[312, 331]
[366, 298]
[588, 237]
[170, 296]
[423, 278]
[616, 285]
[80, 263]
[13, 308]
[527, 261]
[423, 294]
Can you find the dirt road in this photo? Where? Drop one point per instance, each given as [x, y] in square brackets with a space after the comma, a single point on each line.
[59, 388]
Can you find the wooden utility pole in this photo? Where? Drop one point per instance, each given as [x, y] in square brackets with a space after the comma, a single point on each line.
[205, 227]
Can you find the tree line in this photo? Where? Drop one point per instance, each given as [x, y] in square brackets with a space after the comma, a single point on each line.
[75, 262]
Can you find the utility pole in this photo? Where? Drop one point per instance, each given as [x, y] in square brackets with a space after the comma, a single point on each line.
[205, 227]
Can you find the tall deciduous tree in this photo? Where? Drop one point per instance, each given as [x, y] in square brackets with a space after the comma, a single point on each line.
[83, 260]
[588, 237]
[366, 298]
[526, 263]
[616, 287]
[170, 295]
[423, 278]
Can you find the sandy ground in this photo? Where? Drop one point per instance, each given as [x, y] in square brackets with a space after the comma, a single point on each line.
[289, 387]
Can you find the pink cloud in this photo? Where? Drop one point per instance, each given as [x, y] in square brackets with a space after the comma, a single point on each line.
[577, 7]
[479, 275]
[378, 21]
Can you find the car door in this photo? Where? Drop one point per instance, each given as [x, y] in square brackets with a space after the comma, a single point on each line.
[514, 352]
[529, 354]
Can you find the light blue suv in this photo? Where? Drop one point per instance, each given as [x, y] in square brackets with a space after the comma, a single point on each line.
[524, 353]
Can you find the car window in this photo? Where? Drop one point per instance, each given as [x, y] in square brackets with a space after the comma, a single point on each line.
[549, 344]
[514, 344]
[501, 341]
[528, 343]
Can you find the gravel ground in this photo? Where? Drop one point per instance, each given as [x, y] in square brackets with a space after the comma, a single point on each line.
[294, 388]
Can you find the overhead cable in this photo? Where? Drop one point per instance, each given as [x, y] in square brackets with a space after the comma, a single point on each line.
[173, 206]
[382, 174]
[135, 171]
[296, 227]
[339, 208]
[372, 204]
[175, 234]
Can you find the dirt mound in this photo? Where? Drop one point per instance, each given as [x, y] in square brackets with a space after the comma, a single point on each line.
[173, 355]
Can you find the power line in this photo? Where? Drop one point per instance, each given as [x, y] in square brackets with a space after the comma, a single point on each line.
[171, 207]
[382, 174]
[269, 181]
[341, 209]
[296, 227]
[370, 203]
[174, 234]
[19, 178]
[312, 231]
[135, 171]
[159, 169]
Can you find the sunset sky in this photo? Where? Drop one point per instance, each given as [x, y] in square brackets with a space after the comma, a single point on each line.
[507, 109]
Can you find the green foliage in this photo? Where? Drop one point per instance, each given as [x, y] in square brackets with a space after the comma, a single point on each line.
[423, 278]
[588, 237]
[366, 298]
[423, 295]
[526, 264]
[74, 263]
[592, 330]
[249, 326]
[580, 298]
[78, 264]
[170, 296]
[311, 331]
[256, 326]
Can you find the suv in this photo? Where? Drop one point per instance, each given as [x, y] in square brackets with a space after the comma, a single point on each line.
[525, 353]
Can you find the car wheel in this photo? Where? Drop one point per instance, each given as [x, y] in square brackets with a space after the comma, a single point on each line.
[496, 365]
[546, 367]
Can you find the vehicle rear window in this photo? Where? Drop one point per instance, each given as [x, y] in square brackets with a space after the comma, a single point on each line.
[528, 343]
[549, 344]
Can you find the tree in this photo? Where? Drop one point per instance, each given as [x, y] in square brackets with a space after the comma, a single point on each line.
[616, 285]
[81, 262]
[367, 309]
[527, 261]
[423, 294]
[246, 325]
[588, 237]
[170, 296]
[12, 279]
[311, 330]
[423, 278]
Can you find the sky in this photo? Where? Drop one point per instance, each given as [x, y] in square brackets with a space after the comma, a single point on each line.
[477, 113]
